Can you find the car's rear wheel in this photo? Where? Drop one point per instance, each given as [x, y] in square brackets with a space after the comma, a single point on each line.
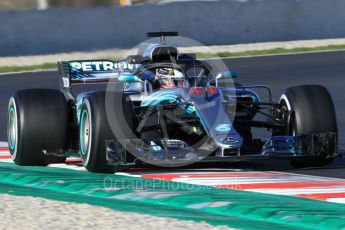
[311, 110]
[37, 122]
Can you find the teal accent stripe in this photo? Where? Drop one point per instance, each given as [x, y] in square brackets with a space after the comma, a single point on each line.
[10, 140]
[81, 135]
[238, 209]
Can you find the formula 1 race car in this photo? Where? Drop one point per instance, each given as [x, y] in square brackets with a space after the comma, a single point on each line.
[163, 108]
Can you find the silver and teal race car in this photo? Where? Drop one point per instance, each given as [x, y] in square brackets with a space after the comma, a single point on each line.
[164, 108]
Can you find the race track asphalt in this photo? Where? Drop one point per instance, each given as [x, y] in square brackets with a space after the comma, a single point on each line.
[278, 72]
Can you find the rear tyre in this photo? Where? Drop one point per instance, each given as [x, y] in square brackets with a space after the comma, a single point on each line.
[312, 110]
[37, 121]
[95, 133]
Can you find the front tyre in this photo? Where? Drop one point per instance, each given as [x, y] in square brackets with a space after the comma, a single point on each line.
[95, 134]
[94, 131]
[312, 110]
[37, 121]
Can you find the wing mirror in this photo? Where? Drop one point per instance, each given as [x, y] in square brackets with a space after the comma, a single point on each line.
[227, 74]
[230, 74]
[137, 59]
[129, 78]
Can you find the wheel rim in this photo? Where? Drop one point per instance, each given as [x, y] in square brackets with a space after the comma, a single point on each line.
[292, 123]
[84, 132]
[12, 129]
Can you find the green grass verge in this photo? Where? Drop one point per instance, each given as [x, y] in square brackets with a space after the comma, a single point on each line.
[225, 54]
[7, 69]
[270, 52]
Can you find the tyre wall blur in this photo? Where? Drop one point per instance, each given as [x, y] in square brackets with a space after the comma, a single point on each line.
[212, 23]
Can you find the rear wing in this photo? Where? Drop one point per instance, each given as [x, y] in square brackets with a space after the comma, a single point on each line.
[91, 71]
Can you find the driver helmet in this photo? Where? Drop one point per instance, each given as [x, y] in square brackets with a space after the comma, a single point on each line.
[168, 78]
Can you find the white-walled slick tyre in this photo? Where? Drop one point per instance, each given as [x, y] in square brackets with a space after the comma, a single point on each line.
[94, 131]
[312, 110]
[37, 121]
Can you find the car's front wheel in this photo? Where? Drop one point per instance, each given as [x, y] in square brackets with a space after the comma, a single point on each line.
[95, 134]
[312, 111]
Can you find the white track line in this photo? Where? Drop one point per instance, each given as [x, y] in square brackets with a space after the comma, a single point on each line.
[3, 144]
